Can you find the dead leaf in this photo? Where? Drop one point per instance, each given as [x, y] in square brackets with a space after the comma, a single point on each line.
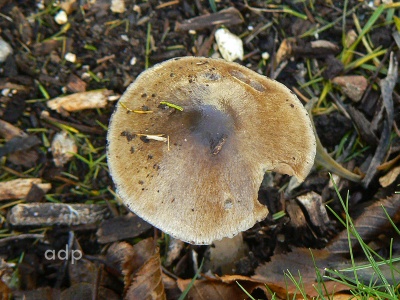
[369, 225]
[142, 272]
[147, 282]
[390, 177]
[299, 261]
[225, 287]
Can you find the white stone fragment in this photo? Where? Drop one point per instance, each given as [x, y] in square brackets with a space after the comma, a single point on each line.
[230, 46]
[124, 37]
[5, 92]
[5, 50]
[133, 61]
[265, 55]
[61, 17]
[118, 6]
[71, 57]
[63, 147]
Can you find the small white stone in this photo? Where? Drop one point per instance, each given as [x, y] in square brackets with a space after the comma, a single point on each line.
[265, 55]
[63, 148]
[192, 32]
[40, 5]
[250, 27]
[133, 61]
[5, 92]
[124, 37]
[230, 46]
[61, 17]
[85, 76]
[118, 6]
[71, 57]
[5, 50]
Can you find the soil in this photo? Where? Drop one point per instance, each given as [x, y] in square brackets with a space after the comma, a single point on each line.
[110, 51]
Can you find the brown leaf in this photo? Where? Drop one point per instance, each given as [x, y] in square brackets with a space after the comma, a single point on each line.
[225, 287]
[147, 283]
[370, 224]
[390, 177]
[142, 272]
[298, 262]
[118, 254]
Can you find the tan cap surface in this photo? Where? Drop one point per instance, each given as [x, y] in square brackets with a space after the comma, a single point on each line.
[235, 126]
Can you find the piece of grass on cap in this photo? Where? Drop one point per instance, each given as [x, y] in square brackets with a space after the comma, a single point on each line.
[193, 165]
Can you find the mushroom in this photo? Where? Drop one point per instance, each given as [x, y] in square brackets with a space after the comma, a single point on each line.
[193, 165]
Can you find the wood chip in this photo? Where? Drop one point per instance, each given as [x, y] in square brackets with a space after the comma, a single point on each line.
[19, 188]
[312, 203]
[229, 16]
[49, 214]
[80, 101]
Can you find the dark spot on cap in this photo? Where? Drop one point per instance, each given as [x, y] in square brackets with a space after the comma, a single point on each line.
[150, 156]
[144, 95]
[292, 105]
[141, 182]
[132, 149]
[129, 136]
[144, 139]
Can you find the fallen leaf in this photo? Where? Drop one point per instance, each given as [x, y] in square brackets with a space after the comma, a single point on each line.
[369, 224]
[225, 287]
[390, 177]
[143, 273]
[299, 261]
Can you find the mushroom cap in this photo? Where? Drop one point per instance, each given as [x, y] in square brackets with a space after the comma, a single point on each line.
[235, 126]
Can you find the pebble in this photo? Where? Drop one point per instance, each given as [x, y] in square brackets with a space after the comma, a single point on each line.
[5, 50]
[61, 17]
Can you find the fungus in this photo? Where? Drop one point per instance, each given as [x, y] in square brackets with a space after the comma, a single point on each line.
[233, 126]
